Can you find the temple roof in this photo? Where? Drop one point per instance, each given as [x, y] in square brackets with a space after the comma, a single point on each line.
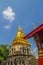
[38, 30]
[19, 38]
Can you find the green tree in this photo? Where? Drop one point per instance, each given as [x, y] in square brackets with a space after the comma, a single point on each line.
[4, 51]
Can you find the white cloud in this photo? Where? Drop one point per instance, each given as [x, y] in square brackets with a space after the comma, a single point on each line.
[7, 27]
[34, 50]
[9, 14]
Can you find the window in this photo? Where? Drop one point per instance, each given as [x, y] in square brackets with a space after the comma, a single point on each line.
[15, 61]
[27, 50]
[19, 62]
[11, 63]
[23, 63]
[24, 50]
[8, 63]
[14, 48]
[10, 51]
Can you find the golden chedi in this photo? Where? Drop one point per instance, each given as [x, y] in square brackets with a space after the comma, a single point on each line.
[18, 43]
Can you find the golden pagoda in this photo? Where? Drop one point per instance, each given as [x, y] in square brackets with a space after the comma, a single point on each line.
[19, 39]
[20, 52]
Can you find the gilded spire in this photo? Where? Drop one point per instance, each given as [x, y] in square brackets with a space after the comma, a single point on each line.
[19, 38]
[20, 33]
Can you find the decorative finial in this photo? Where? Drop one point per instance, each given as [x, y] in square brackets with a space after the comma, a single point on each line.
[18, 25]
[34, 25]
[19, 28]
[41, 21]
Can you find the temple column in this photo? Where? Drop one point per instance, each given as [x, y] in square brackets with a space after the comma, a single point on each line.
[39, 43]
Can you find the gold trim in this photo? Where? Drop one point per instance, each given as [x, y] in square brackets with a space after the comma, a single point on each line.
[40, 51]
[40, 54]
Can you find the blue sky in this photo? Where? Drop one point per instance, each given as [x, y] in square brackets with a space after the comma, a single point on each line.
[19, 12]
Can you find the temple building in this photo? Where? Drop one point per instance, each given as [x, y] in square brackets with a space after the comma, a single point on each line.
[37, 34]
[20, 51]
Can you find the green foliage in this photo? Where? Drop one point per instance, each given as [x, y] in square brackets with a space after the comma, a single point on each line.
[4, 50]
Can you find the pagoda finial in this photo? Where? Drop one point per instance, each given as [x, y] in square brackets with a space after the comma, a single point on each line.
[20, 33]
[34, 25]
[19, 28]
[19, 25]
[41, 21]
